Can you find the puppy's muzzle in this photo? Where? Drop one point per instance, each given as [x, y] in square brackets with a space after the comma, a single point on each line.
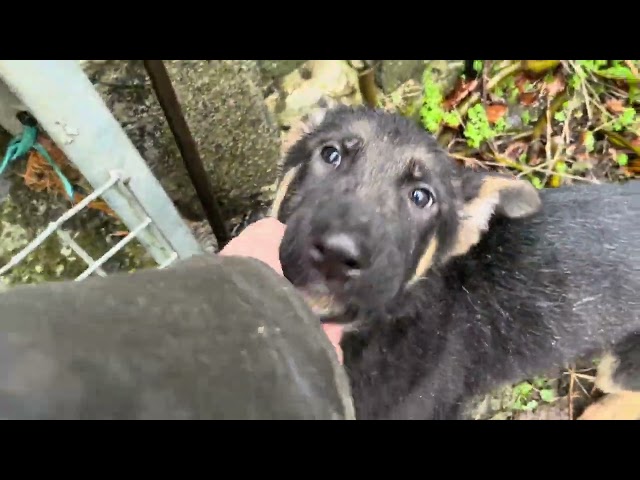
[338, 257]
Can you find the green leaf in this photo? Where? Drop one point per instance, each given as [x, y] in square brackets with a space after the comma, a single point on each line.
[560, 116]
[539, 382]
[547, 395]
[561, 167]
[523, 389]
[618, 72]
[628, 115]
[579, 167]
[589, 141]
[574, 81]
[452, 119]
[537, 183]
[531, 405]
[623, 159]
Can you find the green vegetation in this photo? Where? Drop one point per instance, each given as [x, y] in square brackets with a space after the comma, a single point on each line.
[527, 396]
[501, 120]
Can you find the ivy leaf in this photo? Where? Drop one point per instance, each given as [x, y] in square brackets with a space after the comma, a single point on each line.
[547, 395]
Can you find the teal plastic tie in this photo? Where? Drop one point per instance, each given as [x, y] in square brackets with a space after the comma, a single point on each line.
[20, 146]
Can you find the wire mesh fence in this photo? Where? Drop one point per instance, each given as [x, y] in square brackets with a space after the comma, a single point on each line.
[93, 266]
[95, 144]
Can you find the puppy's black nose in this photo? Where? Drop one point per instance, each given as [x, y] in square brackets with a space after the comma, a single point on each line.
[338, 256]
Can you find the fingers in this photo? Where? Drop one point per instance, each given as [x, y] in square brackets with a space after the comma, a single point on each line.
[259, 240]
[334, 332]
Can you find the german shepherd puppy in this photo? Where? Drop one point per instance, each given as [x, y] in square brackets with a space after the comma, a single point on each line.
[452, 282]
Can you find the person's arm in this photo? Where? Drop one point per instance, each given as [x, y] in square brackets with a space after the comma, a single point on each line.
[213, 337]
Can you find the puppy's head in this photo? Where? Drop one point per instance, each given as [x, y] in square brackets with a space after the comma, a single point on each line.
[372, 202]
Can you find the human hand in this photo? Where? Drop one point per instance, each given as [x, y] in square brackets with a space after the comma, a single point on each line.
[261, 240]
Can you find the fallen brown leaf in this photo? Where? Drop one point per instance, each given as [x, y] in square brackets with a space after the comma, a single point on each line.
[583, 156]
[528, 98]
[521, 82]
[463, 89]
[535, 160]
[516, 149]
[495, 112]
[556, 86]
[615, 105]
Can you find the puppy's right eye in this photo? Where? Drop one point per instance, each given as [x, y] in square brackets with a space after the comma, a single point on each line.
[331, 155]
[422, 197]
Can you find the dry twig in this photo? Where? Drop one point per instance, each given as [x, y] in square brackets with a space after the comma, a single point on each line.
[583, 86]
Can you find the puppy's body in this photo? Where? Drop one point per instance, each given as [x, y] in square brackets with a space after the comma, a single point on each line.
[534, 294]
[454, 281]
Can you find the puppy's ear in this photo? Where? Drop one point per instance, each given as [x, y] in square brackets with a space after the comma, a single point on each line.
[509, 196]
[307, 123]
[486, 195]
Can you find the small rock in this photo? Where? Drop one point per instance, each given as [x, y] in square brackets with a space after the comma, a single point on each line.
[445, 73]
[274, 69]
[332, 78]
[390, 74]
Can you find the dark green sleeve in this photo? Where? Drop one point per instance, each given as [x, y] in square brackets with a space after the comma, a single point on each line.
[211, 338]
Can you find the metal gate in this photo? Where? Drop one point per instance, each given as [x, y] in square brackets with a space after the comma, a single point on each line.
[62, 99]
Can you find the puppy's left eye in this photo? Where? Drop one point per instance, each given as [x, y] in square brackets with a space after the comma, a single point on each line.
[422, 197]
[331, 155]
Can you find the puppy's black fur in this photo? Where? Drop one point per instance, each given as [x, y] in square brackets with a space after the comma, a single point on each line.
[453, 281]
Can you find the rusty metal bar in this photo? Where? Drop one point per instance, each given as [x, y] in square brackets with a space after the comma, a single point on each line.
[168, 100]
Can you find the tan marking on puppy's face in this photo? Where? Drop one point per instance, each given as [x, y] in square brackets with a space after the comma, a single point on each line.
[281, 193]
[304, 126]
[426, 261]
[323, 305]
